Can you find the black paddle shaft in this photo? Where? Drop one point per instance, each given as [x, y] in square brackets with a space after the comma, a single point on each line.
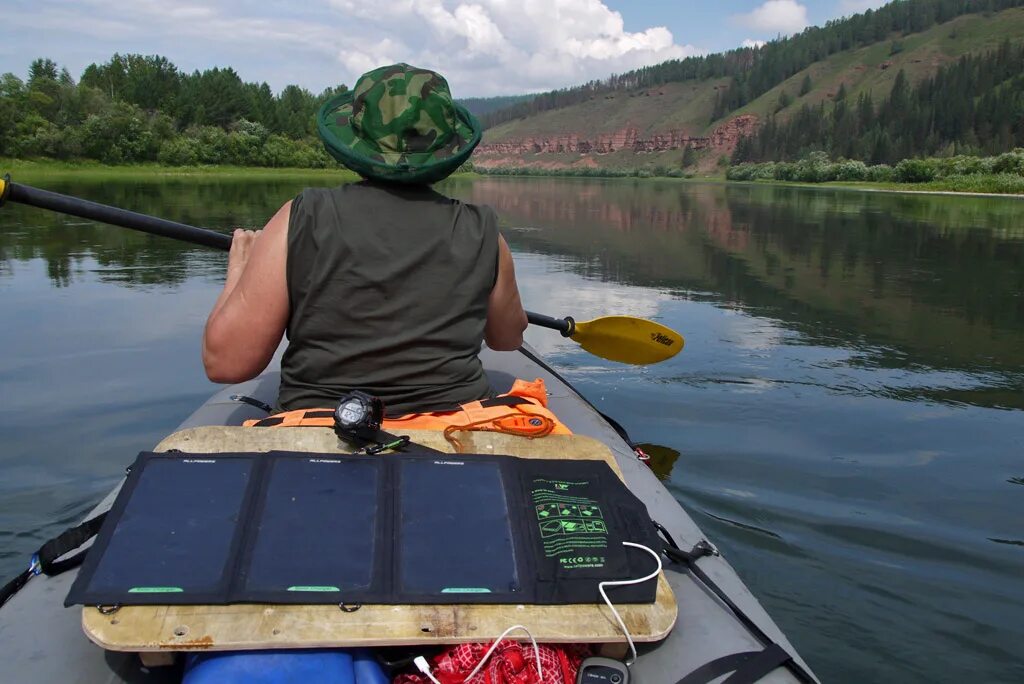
[73, 206]
[44, 199]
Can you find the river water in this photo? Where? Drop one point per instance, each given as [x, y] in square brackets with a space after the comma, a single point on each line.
[846, 421]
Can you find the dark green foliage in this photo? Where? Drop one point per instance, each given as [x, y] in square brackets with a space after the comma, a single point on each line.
[914, 171]
[806, 85]
[689, 157]
[138, 108]
[974, 105]
[784, 101]
[994, 173]
[753, 72]
[148, 82]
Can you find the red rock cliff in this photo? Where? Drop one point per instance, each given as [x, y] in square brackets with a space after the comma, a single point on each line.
[723, 138]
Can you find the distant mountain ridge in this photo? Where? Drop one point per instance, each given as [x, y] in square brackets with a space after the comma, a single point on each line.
[481, 106]
[702, 107]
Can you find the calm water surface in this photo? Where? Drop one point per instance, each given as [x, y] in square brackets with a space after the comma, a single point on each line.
[846, 422]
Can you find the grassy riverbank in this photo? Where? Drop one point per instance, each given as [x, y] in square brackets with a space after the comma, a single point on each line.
[969, 185]
[35, 171]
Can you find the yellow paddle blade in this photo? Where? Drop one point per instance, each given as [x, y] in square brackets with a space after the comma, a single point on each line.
[628, 340]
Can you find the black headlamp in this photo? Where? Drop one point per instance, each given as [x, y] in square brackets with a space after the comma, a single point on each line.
[358, 417]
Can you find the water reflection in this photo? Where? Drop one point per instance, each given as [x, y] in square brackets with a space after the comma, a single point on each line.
[128, 257]
[911, 282]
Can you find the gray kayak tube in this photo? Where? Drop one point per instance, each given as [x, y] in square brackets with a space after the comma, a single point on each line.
[41, 641]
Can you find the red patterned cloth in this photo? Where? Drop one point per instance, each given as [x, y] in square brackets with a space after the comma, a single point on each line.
[511, 663]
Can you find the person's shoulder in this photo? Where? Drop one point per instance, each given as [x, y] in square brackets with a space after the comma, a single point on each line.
[488, 216]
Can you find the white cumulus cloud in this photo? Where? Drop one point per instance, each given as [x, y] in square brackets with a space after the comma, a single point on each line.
[497, 46]
[775, 16]
[751, 43]
[483, 47]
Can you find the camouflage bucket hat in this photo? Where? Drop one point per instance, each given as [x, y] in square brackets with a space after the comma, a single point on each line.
[399, 124]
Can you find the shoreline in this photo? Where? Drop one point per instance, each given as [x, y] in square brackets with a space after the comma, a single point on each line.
[867, 186]
[39, 169]
[35, 170]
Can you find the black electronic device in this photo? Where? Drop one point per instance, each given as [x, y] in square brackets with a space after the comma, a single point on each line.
[598, 670]
[358, 417]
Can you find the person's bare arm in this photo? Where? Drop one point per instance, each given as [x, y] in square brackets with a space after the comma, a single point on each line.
[506, 319]
[249, 318]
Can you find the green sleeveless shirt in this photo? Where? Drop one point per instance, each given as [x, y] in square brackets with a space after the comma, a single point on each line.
[388, 289]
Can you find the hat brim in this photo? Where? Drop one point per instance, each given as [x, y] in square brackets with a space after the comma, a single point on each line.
[343, 142]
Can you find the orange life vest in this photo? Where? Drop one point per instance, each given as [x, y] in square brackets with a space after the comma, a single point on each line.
[522, 410]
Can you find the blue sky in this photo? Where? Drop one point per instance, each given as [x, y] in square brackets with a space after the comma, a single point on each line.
[484, 47]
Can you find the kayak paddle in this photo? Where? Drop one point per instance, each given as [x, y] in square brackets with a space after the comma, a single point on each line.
[617, 338]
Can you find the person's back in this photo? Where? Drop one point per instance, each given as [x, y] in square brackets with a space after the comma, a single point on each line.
[388, 289]
[383, 286]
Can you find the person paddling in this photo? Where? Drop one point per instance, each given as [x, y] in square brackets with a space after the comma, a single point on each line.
[385, 285]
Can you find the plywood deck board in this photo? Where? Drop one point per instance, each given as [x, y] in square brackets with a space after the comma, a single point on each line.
[259, 626]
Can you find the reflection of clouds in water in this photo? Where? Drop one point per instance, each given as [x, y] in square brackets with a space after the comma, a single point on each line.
[550, 290]
[751, 333]
[739, 493]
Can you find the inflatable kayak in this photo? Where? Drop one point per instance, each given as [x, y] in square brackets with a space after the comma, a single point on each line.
[721, 627]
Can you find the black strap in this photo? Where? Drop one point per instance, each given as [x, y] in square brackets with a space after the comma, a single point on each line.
[689, 559]
[504, 401]
[47, 558]
[252, 401]
[12, 587]
[747, 667]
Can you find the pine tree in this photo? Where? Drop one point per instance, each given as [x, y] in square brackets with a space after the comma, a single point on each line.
[806, 86]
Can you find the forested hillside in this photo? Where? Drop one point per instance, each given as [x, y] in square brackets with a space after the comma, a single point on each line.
[755, 71]
[973, 105]
[914, 78]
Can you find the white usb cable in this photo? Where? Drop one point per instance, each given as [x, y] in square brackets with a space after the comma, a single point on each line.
[421, 664]
[424, 667]
[536, 652]
[623, 583]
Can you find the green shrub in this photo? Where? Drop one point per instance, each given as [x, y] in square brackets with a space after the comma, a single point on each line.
[915, 171]
[211, 144]
[880, 173]
[785, 171]
[1009, 162]
[764, 171]
[851, 170]
[180, 151]
[962, 165]
[814, 168]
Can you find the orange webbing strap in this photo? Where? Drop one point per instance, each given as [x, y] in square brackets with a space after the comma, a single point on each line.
[509, 424]
[524, 401]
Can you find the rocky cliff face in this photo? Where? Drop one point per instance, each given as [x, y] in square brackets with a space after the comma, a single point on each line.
[723, 138]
